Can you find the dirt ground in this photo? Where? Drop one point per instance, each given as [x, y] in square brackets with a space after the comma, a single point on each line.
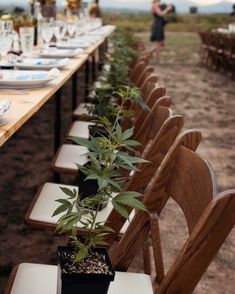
[207, 101]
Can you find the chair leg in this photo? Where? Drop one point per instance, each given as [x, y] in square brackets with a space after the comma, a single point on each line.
[147, 258]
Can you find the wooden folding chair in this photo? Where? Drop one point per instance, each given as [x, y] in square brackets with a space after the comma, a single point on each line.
[31, 278]
[209, 225]
[68, 155]
[142, 77]
[39, 214]
[188, 179]
[137, 71]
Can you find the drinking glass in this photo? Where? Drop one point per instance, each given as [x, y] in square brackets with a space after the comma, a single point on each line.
[6, 41]
[6, 25]
[47, 32]
[60, 29]
[72, 28]
[27, 39]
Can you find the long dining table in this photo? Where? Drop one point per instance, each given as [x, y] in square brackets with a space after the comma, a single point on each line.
[25, 105]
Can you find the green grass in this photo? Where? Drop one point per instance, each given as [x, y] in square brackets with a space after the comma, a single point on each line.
[181, 47]
[141, 22]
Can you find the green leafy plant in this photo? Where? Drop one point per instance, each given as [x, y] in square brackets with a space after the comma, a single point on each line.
[108, 157]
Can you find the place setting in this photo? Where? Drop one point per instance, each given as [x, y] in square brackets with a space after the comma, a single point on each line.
[22, 79]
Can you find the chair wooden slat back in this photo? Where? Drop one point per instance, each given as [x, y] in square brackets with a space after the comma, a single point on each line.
[146, 90]
[210, 217]
[155, 94]
[147, 129]
[208, 236]
[142, 77]
[139, 228]
[137, 71]
[148, 86]
[192, 185]
[154, 153]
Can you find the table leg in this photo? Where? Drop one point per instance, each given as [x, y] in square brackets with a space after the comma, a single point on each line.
[93, 67]
[74, 90]
[57, 127]
[106, 44]
[87, 78]
[101, 57]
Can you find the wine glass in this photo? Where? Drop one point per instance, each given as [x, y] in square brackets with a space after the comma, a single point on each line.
[47, 32]
[60, 29]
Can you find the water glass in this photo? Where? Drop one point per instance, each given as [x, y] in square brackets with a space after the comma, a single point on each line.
[6, 25]
[6, 41]
[72, 28]
[47, 31]
[60, 29]
[27, 39]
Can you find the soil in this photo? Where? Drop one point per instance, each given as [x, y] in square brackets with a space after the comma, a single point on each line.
[94, 263]
[207, 101]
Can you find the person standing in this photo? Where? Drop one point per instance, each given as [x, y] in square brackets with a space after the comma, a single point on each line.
[158, 34]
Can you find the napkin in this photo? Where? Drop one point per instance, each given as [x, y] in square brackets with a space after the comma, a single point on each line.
[53, 73]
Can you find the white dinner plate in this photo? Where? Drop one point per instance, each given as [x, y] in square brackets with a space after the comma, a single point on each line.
[59, 53]
[17, 79]
[42, 64]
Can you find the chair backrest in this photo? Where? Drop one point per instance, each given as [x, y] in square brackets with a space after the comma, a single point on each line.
[148, 86]
[146, 130]
[154, 95]
[137, 71]
[146, 90]
[142, 77]
[139, 228]
[190, 181]
[210, 217]
[154, 153]
[215, 223]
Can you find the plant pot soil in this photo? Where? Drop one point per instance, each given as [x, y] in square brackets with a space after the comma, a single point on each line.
[91, 275]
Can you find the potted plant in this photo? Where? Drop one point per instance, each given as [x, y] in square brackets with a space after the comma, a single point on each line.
[81, 266]
[84, 267]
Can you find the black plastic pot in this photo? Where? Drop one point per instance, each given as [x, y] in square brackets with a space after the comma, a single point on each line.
[87, 188]
[81, 282]
[97, 130]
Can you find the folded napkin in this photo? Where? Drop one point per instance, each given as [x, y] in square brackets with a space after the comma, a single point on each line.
[4, 105]
[53, 73]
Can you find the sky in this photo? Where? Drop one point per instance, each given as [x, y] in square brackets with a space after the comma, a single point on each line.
[202, 2]
[206, 2]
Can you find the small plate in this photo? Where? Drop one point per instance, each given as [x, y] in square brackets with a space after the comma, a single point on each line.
[44, 64]
[17, 79]
[59, 53]
[72, 45]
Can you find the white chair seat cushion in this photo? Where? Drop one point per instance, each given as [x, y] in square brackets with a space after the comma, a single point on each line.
[42, 279]
[80, 129]
[68, 155]
[81, 109]
[45, 205]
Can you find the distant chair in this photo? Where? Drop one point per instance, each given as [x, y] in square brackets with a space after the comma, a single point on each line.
[193, 10]
[233, 12]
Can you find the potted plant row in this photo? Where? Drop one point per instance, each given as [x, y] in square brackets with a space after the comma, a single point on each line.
[83, 265]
